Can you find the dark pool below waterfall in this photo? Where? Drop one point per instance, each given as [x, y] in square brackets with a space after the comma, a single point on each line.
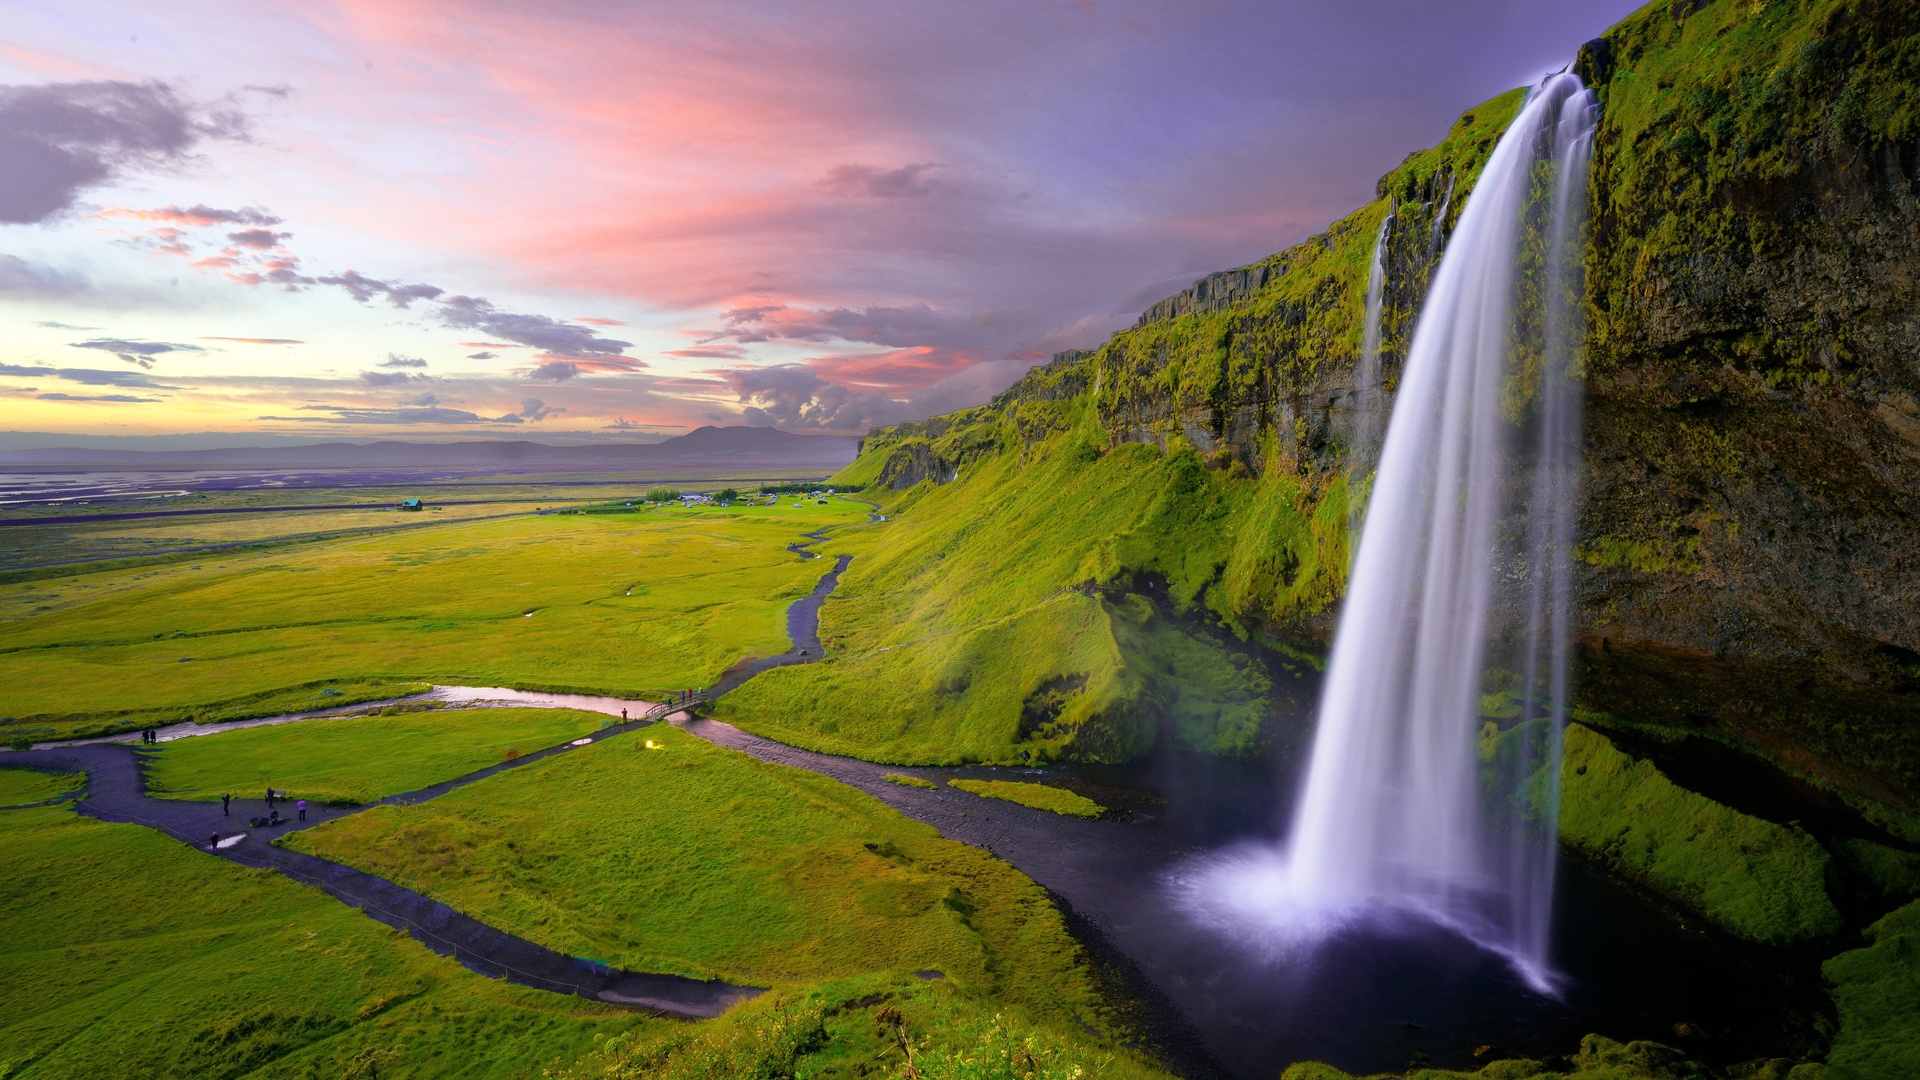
[1374, 1000]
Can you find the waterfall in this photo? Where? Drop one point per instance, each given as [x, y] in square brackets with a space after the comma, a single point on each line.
[1432, 786]
[1367, 395]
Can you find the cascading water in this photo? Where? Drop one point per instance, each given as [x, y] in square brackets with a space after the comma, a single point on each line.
[1414, 801]
[1440, 219]
[1367, 396]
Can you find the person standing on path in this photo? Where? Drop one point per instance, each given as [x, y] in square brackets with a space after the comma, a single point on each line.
[302, 807]
[269, 795]
[225, 800]
[213, 842]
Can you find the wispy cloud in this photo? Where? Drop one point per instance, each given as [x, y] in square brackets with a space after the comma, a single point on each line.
[391, 378]
[125, 399]
[199, 215]
[341, 414]
[139, 353]
[18, 277]
[249, 340]
[87, 376]
[904, 182]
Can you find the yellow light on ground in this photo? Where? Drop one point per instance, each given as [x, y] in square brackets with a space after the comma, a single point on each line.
[651, 745]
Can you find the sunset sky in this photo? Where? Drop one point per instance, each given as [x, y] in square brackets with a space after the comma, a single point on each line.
[420, 218]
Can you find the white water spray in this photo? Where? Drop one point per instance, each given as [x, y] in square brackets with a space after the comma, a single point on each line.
[1411, 804]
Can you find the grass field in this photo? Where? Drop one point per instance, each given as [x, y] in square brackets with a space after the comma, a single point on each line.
[626, 603]
[358, 759]
[707, 862]
[26, 545]
[125, 953]
[1037, 796]
[20, 786]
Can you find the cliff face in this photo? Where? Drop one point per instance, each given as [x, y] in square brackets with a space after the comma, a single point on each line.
[1750, 556]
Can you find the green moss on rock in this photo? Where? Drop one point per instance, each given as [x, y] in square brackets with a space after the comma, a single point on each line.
[1756, 879]
[1877, 990]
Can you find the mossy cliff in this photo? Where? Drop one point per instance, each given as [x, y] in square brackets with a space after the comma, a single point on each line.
[1750, 554]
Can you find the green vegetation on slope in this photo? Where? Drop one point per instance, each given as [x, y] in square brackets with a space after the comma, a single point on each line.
[625, 604]
[125, 953]
[868, 1026]
[1878, 992]
[1759, 880]
[1055, 598]
[1037, 796]
[359, 759]
[21, 786]
[708, 862]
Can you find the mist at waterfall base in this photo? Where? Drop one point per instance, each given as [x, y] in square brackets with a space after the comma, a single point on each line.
[1432, 788]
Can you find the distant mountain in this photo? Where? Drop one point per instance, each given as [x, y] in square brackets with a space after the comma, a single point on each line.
[702, 446]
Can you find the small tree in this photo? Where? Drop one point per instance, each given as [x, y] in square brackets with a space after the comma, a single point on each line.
[726, 495]
[662, 495]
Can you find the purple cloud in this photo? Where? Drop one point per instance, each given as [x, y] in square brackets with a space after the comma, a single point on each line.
[904, 181]
[391, 378]
[341, 414]
[262, 239]
[365, 289]
[86, 376]
[139, 353]
[537, 331]
[124, 398]
[59, 139]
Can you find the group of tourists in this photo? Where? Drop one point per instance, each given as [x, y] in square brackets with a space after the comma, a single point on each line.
[270, 819]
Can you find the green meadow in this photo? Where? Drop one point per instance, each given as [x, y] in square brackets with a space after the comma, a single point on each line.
[21, 786]
[359, 759]
[701, 861]
[629, 603]
[1038, 796]
[126, 953]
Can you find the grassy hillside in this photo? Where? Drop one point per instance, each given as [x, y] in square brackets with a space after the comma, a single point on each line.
[1059, 595]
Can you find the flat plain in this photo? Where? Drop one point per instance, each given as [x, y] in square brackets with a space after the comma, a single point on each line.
[628, 602]
[358, 759]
